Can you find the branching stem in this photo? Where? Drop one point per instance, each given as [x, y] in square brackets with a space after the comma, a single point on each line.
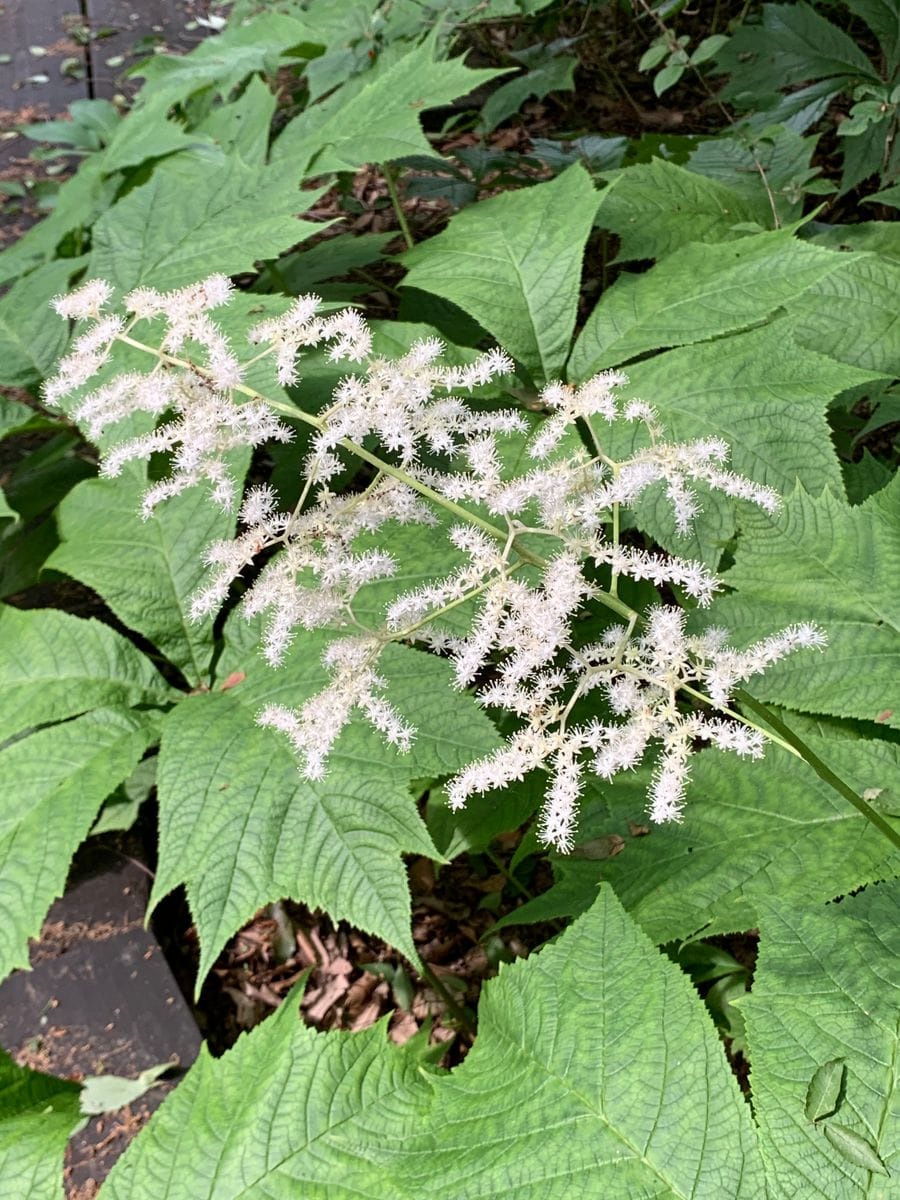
[775, 731]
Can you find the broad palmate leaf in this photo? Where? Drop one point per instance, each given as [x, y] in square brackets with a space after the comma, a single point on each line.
[852, 315]
[37, 1115]
[53, 666]
[695, 294]
[596, 1073]
[793, 44]
[240, 827]
[375, 118]
[760, 393]
[656, 207]
[751, 830]
[514, 264]
[146, 571]
[13, 415]
[819, 559]
[217, 64]
[31, 337]
[826, 989]
[78, 202]
[192, 218]
[755, 830]
[52, 784]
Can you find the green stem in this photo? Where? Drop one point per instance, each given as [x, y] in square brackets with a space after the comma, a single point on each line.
[508, 875]
[388, 172]
[824, 772]
[736, 716]
[614, 581]
[460, 1015]
[387, 468]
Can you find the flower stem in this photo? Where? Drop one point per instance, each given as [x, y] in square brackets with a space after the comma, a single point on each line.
[822, 769]
[386, 468]
[736, 716]
[388, 171]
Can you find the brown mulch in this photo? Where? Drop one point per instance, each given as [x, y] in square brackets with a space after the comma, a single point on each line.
[353, 979]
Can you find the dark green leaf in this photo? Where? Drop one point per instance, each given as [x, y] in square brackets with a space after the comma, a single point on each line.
[514, 263]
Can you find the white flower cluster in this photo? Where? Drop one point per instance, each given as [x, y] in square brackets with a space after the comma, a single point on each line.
[355, 684]
[437, 451]
[206, 422]
[639, 678]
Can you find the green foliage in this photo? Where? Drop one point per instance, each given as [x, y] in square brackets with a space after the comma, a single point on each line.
[795, 560]
[230, 796]
[796, 45]
[852, 317]
[377, 119]
[850, 1142]
[766, 396]
[29, 343]
[193, 213]
[596, 1070]
[146, 571]
[548, 69]
[514, 264]
[79, 202]
[57, 666]
[542, 1103]
[37, 1115]
[695, 294]
[52, 784]
[657, 207]
[761, 829]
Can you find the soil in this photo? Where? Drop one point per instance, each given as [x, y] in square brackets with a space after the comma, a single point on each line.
[99, 999]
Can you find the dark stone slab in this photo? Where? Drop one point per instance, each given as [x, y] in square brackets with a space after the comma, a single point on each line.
[40, 24]
[100, 999]
[130, 30]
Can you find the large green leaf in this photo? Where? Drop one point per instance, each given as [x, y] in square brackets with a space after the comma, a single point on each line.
[37, 1115]
[194, 217]
[78, 202]
[695, 294]
[221, 62]
[819, 559]
[657, 207]
[754, 830]
[146, 571]
[13, 415]
[883, 18]
[826, 989]
[232, 800]
[217, 65]
[852, 314]
[53, 666]
[514, 264]
[771, 169]
[242, 127]
[31, 336]
[793, 44]
[759, 392]
[751, 830]
[595, 1073]
[376, 119]
[52, 784]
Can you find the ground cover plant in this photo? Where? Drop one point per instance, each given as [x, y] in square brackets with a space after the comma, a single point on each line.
[537, 508]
